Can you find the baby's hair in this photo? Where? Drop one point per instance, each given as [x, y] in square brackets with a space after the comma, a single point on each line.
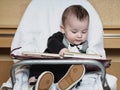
[76, 10]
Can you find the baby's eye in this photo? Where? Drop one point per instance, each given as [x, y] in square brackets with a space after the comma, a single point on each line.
[85, 31]
[74, 31]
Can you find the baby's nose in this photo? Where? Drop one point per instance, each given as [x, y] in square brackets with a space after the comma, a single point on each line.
[79, 34]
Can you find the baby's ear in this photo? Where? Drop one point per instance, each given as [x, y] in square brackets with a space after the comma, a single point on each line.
[62, 29]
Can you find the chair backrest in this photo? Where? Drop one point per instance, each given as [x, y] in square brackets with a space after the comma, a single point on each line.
[43, 17]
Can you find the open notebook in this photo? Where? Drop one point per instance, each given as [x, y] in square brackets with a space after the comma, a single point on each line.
[67, 55]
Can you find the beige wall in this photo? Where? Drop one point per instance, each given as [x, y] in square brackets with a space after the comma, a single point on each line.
[11, 12]
[5, 70]
[108, 11]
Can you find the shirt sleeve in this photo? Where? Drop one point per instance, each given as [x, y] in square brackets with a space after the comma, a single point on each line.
[55, 43]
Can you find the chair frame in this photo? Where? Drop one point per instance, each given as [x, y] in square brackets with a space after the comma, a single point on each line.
[58, 61]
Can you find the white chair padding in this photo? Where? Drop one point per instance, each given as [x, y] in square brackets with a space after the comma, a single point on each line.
[43, 17]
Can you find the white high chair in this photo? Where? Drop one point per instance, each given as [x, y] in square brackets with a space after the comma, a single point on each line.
[41, 19]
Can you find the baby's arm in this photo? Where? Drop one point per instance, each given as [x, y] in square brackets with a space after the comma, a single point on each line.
[55, 44]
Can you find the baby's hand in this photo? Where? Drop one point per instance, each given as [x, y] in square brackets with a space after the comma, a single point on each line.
[62, 51]
[32, 80]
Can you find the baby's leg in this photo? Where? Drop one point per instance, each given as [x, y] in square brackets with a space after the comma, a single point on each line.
[45, 80]
[72, 77]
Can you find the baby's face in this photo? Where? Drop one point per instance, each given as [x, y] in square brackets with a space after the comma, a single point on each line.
[76, 30]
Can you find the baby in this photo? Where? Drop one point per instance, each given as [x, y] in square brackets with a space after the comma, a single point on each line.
[74, 33]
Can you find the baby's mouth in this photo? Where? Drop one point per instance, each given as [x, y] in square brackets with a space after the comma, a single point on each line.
[78, 41]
